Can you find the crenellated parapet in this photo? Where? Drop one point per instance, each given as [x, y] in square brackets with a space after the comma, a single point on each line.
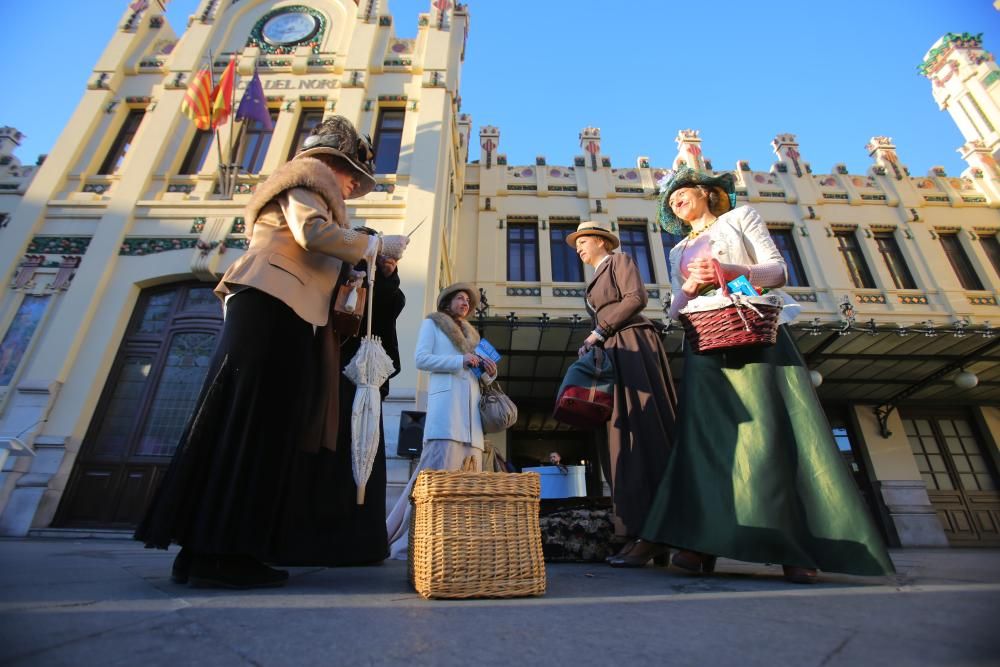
[791, 180]
[14, 176]
[590, 143]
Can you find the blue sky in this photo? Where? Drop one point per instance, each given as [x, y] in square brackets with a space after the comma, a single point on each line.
[834, 73]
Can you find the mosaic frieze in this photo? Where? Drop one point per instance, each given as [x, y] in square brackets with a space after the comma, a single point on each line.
[568, 291]
[913, 299]
[871, 298]
[58, 245]
[524, 291]
[151, 246]
[238, 244]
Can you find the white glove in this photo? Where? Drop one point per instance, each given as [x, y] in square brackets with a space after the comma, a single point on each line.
[393, 245]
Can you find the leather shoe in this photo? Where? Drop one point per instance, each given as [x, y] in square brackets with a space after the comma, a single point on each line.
[621, 552]
[181, 569]
[799, 575]
[694, 561]
[236, 572]
[641, 553]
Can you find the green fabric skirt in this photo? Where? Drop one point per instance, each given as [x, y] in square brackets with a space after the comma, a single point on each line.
[755, 474]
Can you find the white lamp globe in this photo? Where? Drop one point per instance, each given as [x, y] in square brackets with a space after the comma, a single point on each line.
[966, 380]
[816, 378]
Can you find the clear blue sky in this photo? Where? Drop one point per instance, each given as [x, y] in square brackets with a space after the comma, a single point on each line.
[833, 73]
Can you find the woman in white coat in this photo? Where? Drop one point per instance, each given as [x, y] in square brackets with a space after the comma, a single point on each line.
[453, 431]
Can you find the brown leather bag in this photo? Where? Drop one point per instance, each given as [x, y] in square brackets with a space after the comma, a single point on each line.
[348, 306]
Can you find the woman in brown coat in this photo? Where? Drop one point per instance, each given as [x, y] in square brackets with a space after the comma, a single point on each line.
[641, 429]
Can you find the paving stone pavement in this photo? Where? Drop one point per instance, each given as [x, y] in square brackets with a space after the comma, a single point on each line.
[111, 602]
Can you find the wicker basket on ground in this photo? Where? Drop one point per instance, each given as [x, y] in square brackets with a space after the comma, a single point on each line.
[475, 534]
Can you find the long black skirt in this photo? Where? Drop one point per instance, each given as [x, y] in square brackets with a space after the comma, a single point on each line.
[322, 522]
[223, 491]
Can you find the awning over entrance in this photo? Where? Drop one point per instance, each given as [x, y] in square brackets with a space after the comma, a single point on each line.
[877, 364]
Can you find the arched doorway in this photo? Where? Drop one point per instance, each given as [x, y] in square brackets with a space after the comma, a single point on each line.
[147, 399]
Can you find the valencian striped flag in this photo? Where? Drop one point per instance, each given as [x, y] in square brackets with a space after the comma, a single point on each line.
[197, 102]
[209, 107]
[222, 96]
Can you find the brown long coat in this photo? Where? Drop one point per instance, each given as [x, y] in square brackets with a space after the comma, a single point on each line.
[641, 429]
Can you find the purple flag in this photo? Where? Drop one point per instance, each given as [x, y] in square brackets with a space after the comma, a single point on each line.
[253, 105]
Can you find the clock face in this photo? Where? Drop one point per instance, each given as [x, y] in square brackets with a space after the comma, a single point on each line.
[289, 28]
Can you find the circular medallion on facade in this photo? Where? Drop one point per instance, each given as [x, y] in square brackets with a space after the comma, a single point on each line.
[289, 28]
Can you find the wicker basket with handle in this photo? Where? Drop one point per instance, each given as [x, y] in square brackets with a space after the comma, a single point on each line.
[744, 322]
[475, 534]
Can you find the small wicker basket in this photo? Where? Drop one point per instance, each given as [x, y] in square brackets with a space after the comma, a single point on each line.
[744, 322]
[475, 534]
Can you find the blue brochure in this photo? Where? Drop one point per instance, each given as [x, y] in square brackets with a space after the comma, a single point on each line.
[741, 285]
[486, 351]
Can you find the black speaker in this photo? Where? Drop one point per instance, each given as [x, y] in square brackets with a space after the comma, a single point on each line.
[411, 433]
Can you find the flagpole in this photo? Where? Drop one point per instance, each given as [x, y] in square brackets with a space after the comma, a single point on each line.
[218, 137]
[232, 121]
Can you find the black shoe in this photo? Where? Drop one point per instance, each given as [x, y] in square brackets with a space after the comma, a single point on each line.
[236, 572]
[641, 553]
[182, 567]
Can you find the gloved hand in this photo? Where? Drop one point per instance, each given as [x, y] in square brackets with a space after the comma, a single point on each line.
[354, 278]
[393, 245]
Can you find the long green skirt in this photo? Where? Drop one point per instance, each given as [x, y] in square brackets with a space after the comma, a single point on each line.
[755, 474]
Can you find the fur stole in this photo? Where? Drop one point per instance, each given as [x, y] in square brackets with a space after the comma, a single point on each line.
[465, 339]
[303, 172]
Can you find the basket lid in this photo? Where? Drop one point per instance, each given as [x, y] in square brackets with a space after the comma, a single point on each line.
[453, 483]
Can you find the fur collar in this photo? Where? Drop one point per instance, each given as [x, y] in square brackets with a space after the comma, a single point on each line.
[305, 172]
[465, 339]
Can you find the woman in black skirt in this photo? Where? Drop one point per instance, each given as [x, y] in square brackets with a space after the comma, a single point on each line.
[221, 498]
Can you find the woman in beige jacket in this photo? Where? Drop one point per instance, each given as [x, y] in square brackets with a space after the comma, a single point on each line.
[220, 497]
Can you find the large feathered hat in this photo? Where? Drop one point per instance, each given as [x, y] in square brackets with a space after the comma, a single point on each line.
[686, 177]
[336, 136]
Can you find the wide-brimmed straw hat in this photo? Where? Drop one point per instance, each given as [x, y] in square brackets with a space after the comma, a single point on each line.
[594, 228]
[686, 177]
[444, 298]
[336, 136]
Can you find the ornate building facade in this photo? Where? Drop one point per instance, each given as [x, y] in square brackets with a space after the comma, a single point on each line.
[107, 316]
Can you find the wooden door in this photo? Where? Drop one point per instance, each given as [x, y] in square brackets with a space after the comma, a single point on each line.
[961, 479]
[147, 399]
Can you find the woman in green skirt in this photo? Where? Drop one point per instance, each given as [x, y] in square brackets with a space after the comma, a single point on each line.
[754, 474]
